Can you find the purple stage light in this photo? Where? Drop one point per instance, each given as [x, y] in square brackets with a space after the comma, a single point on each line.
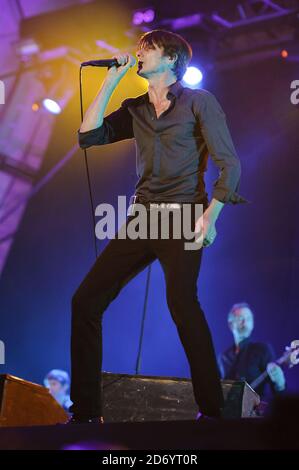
[143, 16]
[148, 16]
[137, 18]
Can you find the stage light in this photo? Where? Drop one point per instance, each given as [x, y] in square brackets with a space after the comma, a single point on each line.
[193, 76]
[137, 18]
[35, 107]
[52, 106]
[143, 16]
[148, 16]
[56, 102]
[284, 53]
[26, 48]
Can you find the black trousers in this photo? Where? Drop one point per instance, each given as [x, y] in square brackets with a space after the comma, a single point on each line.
[119, 262]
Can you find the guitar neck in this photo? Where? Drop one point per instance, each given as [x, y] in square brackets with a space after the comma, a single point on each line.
[260, 379]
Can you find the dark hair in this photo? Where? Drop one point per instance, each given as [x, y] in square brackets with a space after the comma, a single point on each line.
[172, 44]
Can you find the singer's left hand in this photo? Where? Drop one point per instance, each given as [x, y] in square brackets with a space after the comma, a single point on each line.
[205, 230]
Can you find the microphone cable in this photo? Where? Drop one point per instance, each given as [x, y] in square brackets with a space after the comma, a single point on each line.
[145, 303]
[85, 158]
[144, 311]
[87, 170]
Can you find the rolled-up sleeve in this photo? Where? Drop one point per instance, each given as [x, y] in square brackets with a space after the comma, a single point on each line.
[220, 146]
[116, 126]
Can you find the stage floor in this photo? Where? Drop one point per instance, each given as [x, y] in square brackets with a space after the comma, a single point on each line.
[242, 434]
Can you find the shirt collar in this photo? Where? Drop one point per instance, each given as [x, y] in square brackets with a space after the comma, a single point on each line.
[242, 344]
[175, 89]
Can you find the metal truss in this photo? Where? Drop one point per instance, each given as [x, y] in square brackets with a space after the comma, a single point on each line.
[250, 28]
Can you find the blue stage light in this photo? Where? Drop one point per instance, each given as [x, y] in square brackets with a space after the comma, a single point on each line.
[193, 76]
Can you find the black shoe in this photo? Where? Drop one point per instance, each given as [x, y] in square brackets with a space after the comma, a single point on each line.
[85, 420]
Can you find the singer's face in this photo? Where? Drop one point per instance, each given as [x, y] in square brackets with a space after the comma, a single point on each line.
[152, 61]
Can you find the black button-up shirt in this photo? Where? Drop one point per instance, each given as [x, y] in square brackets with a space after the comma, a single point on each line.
[172, 150]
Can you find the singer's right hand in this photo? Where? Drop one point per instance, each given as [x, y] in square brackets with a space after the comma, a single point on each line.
[126, 61]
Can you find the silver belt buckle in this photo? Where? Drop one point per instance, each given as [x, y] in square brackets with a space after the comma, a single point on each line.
[165, 205]
[174, 205]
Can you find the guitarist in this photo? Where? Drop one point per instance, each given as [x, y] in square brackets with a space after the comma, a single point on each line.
[246, 359]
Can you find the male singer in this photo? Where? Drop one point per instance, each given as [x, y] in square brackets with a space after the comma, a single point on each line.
[175, 129]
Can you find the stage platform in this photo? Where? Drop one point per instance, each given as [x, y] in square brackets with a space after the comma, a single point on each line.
[242, 434]
[145, 413]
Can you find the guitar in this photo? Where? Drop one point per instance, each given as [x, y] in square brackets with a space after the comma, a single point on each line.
[290, 357]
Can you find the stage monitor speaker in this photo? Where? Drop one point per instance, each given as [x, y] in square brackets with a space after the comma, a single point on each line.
[145, 398]
[240, 400]
[25, 403]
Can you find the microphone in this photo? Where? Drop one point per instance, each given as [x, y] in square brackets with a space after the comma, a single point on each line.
[101, 63]
[105, 63]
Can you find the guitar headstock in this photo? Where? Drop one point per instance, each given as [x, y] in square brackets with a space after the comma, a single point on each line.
[291, 355]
